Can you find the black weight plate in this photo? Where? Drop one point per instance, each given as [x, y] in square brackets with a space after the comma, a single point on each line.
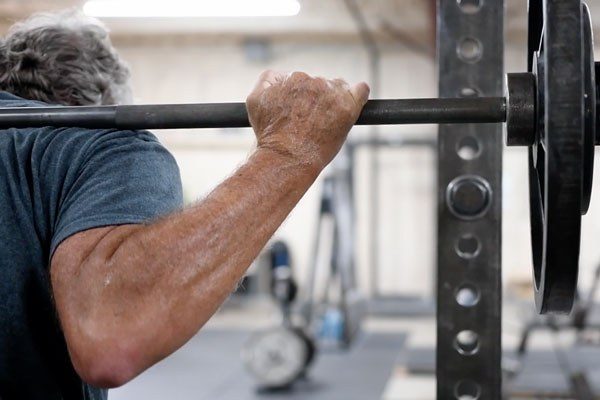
[535, 16]
[556, 159]
[589, 111]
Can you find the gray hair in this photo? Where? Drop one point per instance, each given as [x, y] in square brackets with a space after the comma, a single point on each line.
[63, 58]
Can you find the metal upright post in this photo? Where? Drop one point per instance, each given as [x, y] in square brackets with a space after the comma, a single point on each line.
[470, 54]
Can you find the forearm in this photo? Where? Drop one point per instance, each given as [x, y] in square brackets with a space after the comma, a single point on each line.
[158, 284]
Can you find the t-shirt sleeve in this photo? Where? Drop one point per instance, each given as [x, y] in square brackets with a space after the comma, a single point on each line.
[127, 178]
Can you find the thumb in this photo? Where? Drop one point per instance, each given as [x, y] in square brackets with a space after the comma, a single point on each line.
[360, 93]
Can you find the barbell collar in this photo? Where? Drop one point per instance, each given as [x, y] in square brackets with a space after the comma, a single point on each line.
[520, 91]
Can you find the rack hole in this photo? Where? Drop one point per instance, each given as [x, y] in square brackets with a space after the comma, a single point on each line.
[470, 50]
[468, 246]
[467, 390]
[467, 343]
[467, 296]
[468, 92]
[468, 148]
[470, 6]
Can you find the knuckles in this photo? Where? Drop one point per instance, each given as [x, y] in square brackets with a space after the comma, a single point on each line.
[303, 95]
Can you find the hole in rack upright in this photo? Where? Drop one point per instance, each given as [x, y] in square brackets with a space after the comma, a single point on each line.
[467, 246]
[469, 50]
[469, 92]
[467, 295]
[470, 6]
[468, 148]
[467, 343]
[467, 390]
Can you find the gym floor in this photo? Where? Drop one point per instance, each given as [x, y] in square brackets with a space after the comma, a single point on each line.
[393, 359]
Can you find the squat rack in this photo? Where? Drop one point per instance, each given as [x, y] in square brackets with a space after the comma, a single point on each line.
[469, 303]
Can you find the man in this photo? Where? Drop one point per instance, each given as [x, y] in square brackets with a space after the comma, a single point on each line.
[102, 273]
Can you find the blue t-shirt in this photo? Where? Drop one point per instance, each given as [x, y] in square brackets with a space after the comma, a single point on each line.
[55, 183]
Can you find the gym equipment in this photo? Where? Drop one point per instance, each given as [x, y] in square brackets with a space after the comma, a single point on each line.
[234, 115]
[470, 54]
[336, 308]
[561, 147]
[586, 335]
[279, 356]
[551, 109]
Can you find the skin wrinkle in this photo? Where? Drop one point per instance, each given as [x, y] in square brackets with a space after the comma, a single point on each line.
[142, 291]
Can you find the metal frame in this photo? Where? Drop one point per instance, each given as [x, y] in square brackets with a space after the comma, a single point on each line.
[476, 369]
[333, 253]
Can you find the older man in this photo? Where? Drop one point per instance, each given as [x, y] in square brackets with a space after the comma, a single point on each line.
[102, 272]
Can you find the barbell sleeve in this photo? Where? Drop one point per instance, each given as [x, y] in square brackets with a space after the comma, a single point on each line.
[234, 115]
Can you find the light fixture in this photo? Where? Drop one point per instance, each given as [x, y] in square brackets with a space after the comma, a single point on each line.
[190, 8]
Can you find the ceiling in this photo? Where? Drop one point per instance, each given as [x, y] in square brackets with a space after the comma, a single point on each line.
[316, 16]
[322, 18]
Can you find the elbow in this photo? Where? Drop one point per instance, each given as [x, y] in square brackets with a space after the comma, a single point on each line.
[105, 374]
[107, 363]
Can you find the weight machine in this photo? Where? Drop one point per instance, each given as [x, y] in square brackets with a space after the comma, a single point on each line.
[550, 109]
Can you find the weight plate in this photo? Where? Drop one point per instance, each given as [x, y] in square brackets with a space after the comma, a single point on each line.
[278, 356]
[589, 138]
[556, 167]
[310, 346]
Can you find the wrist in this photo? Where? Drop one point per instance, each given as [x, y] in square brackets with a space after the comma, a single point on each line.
[289, 161]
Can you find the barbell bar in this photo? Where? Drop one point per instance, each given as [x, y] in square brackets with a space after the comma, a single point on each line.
[234, 115]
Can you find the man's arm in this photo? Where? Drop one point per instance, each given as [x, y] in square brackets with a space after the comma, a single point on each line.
[129, 296]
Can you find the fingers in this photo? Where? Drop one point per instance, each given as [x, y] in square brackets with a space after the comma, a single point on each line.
[340, 83]
[360, 92]
[267, 79]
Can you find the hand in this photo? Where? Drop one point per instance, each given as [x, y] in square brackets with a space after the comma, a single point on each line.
[304, 117]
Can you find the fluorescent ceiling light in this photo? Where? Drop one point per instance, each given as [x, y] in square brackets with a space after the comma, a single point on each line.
[190, 8]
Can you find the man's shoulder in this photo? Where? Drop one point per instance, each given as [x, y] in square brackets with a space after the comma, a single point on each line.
[82, 138]
[11, 100]
[74, 143]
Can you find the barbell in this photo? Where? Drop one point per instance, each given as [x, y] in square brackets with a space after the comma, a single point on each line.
[551, 109]
[234, 115]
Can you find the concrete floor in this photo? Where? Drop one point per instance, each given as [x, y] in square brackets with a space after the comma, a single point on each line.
[392, 360]
[209, 368]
